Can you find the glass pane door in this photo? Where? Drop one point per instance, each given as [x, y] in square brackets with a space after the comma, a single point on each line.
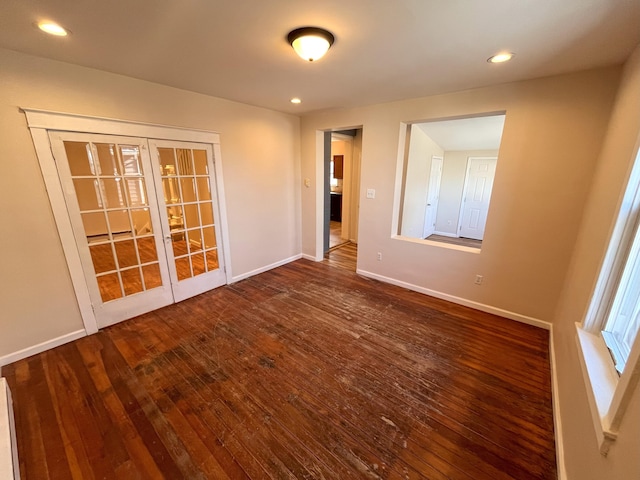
[185, 177]
[113, 212]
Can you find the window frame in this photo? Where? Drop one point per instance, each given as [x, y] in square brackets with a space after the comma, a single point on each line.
[609, 393]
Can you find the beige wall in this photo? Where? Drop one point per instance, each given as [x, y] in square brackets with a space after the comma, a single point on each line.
[454, 171]
[616, 158]
[552, 135]
[416, 182]
[260, 151]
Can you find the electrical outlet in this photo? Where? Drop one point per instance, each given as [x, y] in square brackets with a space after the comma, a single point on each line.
[478, 280]
[371, 193]
[379, 256]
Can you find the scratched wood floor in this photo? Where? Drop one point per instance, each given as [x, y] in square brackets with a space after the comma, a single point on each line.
[306, 371]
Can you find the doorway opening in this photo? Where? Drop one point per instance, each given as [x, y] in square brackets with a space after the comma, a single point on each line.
[141, 220]
[342, 159]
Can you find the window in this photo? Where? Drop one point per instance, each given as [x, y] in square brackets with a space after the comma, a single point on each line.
[623, 321]
[608, 338]
[447, 174]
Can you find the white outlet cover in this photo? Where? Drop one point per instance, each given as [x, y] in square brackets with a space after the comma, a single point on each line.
[371, 193]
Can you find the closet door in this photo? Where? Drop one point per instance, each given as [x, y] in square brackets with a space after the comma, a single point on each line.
[112, 205]
[185, 183]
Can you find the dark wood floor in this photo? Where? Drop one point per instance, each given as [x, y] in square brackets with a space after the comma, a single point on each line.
[306, 371]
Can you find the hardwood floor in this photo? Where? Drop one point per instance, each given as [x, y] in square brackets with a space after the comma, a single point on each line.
[343, 256]
[335, 234]
[305, 371]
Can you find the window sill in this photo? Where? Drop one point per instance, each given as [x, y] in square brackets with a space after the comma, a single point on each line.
[449, 246]
[601, 380]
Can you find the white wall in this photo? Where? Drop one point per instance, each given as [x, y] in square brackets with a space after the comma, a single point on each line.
[552, 135]
[260, 151]
[454, 170]
[607, 186]
[416, 182]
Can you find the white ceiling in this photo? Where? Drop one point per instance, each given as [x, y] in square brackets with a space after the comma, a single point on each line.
[385, 50]
[478, 133]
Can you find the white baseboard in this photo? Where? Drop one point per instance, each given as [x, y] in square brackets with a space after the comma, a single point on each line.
[310, 258]
[557, 421]
[9, 465]
[265, 268]
[41, 347]
[460, 301]
[446, 234]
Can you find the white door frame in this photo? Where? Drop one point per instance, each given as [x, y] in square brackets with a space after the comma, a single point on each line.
[40, 122]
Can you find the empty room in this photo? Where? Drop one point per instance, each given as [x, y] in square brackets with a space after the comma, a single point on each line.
[320, 240]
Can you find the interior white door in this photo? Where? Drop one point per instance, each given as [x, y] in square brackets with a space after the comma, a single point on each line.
[433, 195]
[477, 195]
[185, 182]
[114, 215]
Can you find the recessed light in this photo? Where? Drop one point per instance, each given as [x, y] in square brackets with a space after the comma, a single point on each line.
[501, 57]
[296, 100]
[52, 28]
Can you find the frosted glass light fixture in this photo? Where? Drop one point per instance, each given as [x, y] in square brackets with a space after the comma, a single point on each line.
[311, 43]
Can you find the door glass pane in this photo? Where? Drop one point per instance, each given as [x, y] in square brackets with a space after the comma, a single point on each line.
[95, 224]
[119, 222]
[197, 262]
[188, 189]
[141, 221]
[170, 190]
[131, 281]
[204, 192]
[206, 212]
[130, 160]
[174, 215]
[147, 249]
[209, 235]
[183, 269]
[179, 244]
[152, 278]
[102, 258]
[191, 214]
[195, 240]
[185, 162]
[212, 260]
[113, 193]
[87, 194]
[126, 253]
[114, 212]
[108, 159]
[137, 195]
[167, 162]
[109, 286]
[200, 161]
[80, 159]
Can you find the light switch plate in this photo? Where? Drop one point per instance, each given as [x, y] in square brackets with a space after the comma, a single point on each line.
[371, 193]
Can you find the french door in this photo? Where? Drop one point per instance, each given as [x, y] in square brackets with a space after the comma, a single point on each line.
[143, 215]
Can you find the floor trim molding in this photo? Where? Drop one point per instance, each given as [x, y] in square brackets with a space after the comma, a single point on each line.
[310, 258]
[266, 268]
[557, 420]
[41, 347]
[460, 301]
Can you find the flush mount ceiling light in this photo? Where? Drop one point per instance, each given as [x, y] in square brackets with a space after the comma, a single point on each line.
[296, 100]
[52, 28]
[501, 57]
[311, 43]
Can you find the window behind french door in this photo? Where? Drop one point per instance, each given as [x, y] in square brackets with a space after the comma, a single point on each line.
[144, 219]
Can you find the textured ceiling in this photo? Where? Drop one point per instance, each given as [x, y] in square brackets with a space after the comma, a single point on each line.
[384, 50]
